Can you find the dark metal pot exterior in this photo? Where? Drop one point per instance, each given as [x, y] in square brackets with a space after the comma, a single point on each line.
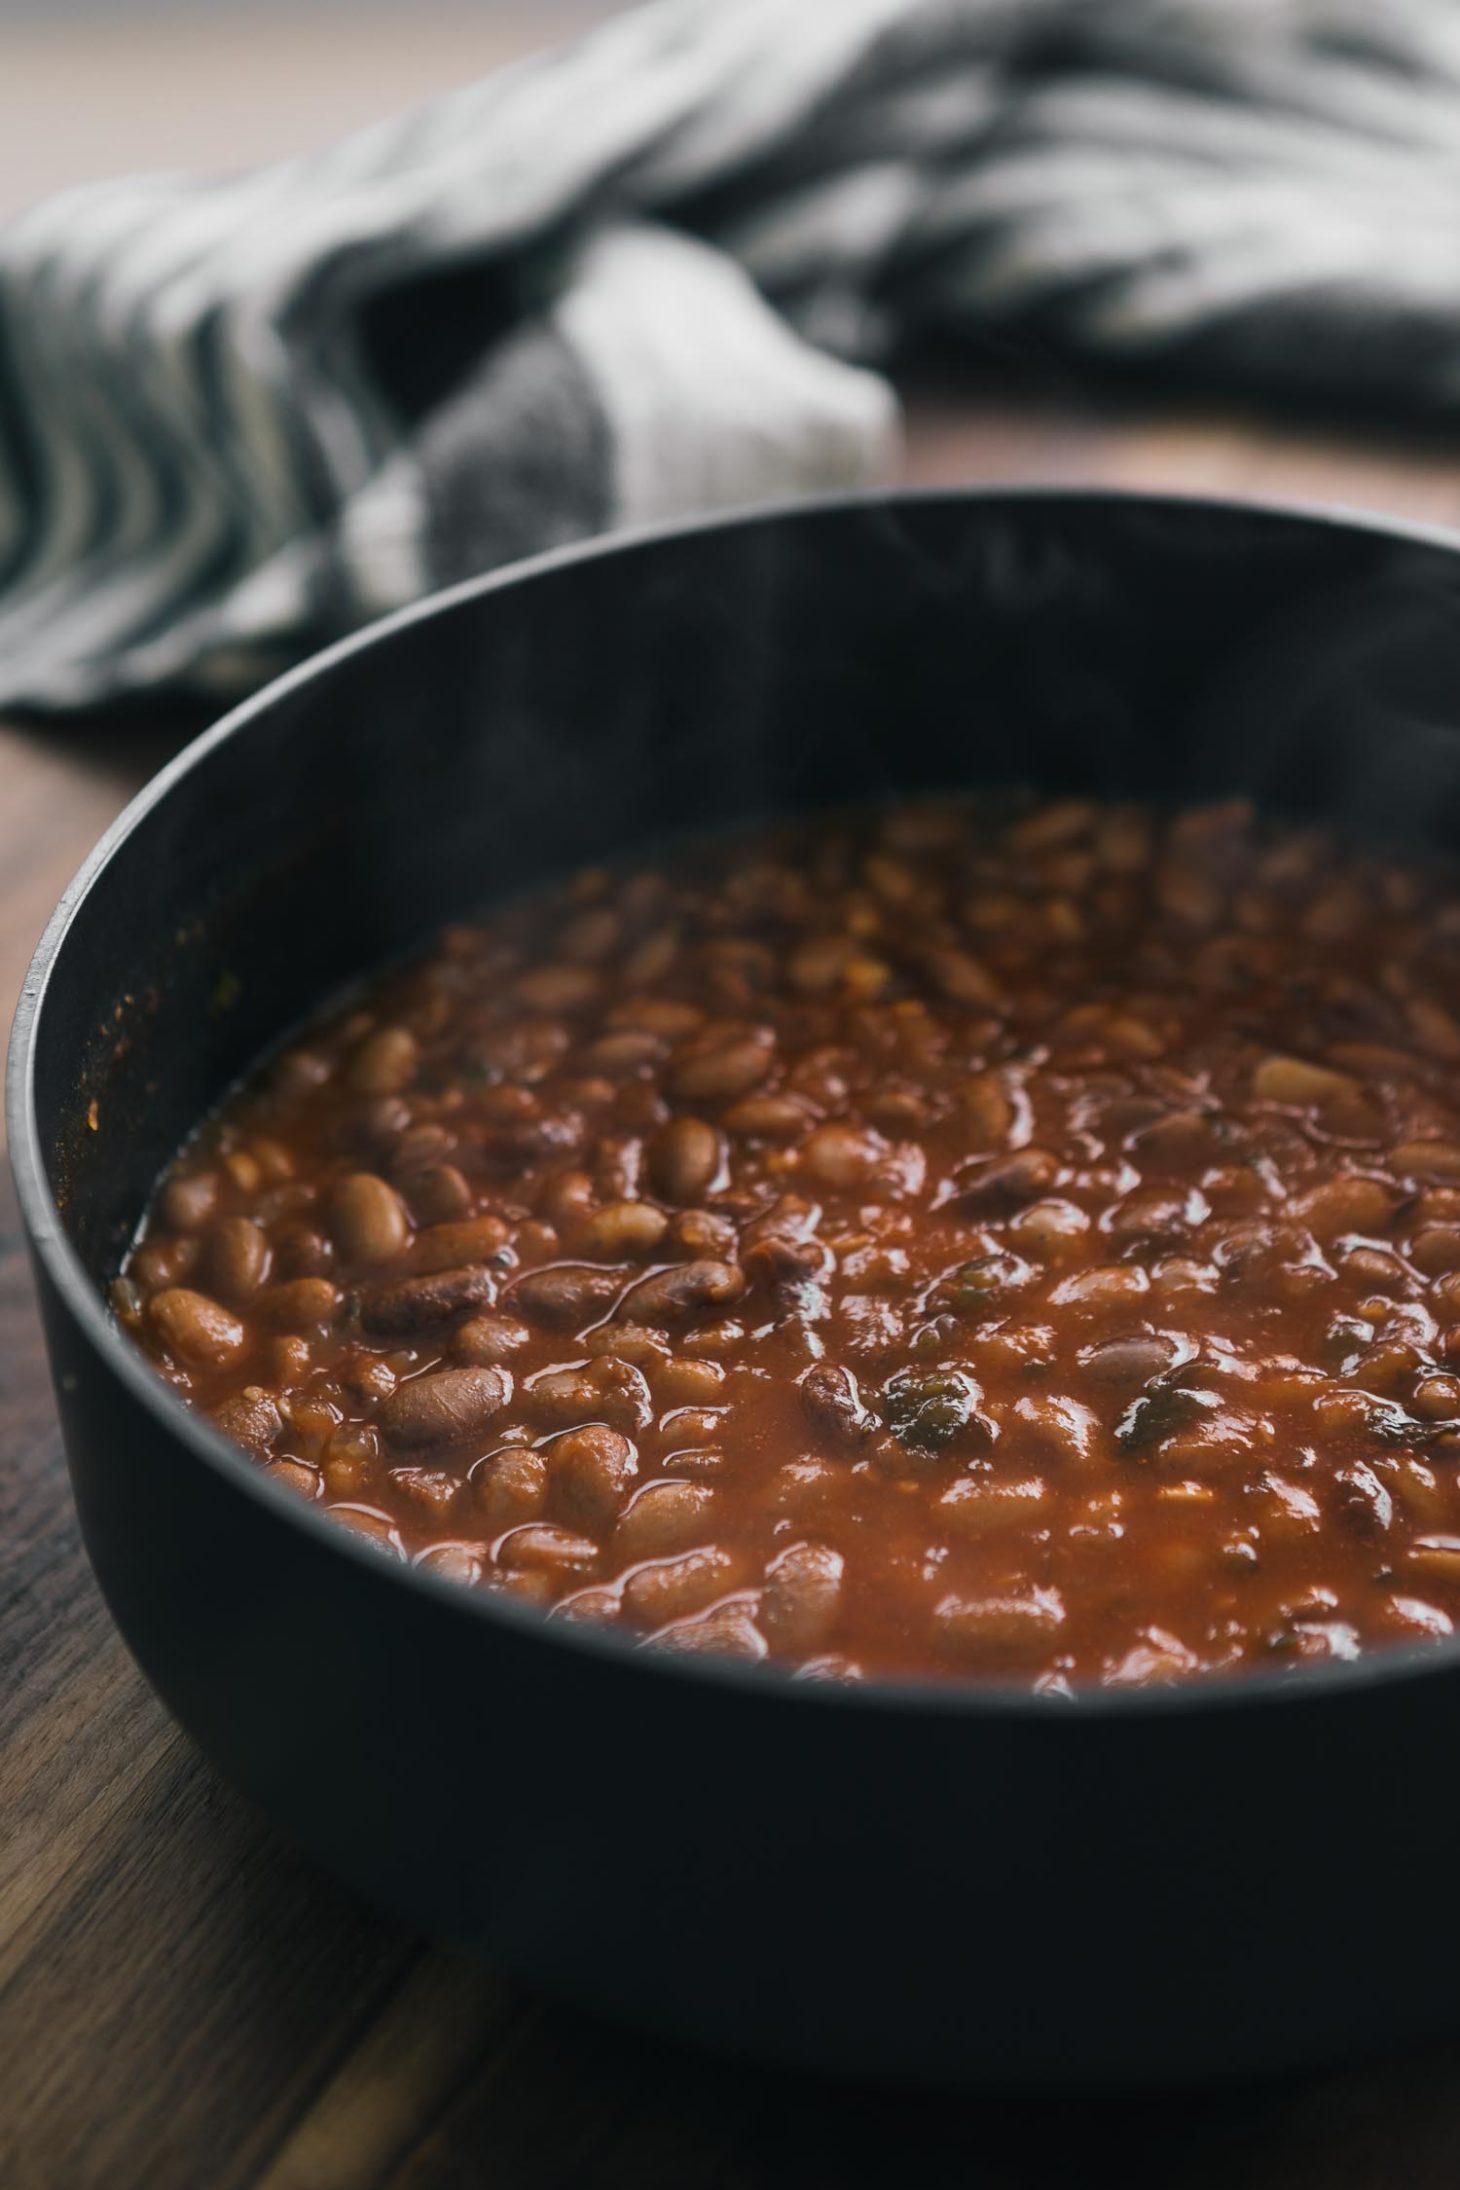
[933, 1884]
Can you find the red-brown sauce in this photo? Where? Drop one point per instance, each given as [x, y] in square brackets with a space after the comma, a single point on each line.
[994, 1237]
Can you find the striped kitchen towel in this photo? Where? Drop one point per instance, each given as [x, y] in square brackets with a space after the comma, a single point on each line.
[664, 270]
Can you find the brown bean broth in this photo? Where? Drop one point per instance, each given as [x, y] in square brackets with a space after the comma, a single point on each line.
[991, 1237]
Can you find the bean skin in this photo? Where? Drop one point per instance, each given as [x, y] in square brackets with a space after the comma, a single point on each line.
[510, 1488]
[589, 1473]
[385, 1062]
[685, 1158]
[673, 1295]
[489, 1339]
[565, 1297]
[833, 1406]
[451, 1246]
[196, 1328]
[720, 1066]
[663, 1517]
[300, 1304]
[671, 1588]
[368, 1220]
[250, 1417]
[419, 1303]
[800, 1601]
[623, 1231]
[446, 1407]
[186, 1203]
[235, 1259]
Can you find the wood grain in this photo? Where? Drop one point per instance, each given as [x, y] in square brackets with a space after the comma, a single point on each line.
[184, 2005]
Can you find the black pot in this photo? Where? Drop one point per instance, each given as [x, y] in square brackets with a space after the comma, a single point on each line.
[949, 1883]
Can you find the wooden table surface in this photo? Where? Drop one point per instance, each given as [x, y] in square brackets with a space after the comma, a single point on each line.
[186, 2005]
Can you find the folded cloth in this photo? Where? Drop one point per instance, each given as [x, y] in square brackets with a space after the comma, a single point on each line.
[658, 272]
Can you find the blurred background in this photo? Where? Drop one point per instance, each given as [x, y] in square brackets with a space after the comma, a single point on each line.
[91, 88]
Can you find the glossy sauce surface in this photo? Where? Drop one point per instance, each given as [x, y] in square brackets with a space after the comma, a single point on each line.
[994, 1238]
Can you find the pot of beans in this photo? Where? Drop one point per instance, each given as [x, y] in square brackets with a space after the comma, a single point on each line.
[751, 1247]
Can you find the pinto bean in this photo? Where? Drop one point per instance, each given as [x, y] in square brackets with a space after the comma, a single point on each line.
[489, 1340]
[833, 1405]
[565, 1296]
[1009, 1182]
[435, 1193]
[802, 1594]
[544, 1547]
[367, 1219]
[250, 1417]
[385, 1062]
[686, 1290]
[589, 1473]
[418, 1303]
[235, 1259]
[622, 1231]
[511, 1487]
[999, 1626]
[453, 1246]
[685, 1157]
[187, 1202]
[721, 1064]
[671, 1588]
[198, 1330]
[445, 1408]
[663, 1517]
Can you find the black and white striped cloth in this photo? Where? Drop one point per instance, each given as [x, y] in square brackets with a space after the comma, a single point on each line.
[661, 271]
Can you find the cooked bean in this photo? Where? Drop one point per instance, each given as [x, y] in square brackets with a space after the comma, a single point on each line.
[727, 1632]
[445, 1407]
[188, 1201]
[663, 1517]
[608, 1389]
[980, 1503]
[429, 1488]
[995, 1625]
[798, 1606]
[196, 1328]
[1009, 1182]
[251, 1417]
[685, 1157]
[420, 1303]
[1428, 1160]
[454, 1562]
[489, 1340]
[769, 1117]
[589, 1472]
[841, 1156]
[300, 1304]
[682, 1381]
[540, 1545]
[235, 1259]
[295, 1475]
[566, 1296]
[623, 1231]
[385, 1062]
[672, 1295]
[719, 1066]
[435, 1193]
[1298, 1081]
[510, 1488]
[367, 1219]
[452, 1246]
[833, 1405]
[1129, 1360]
[668, 1589]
